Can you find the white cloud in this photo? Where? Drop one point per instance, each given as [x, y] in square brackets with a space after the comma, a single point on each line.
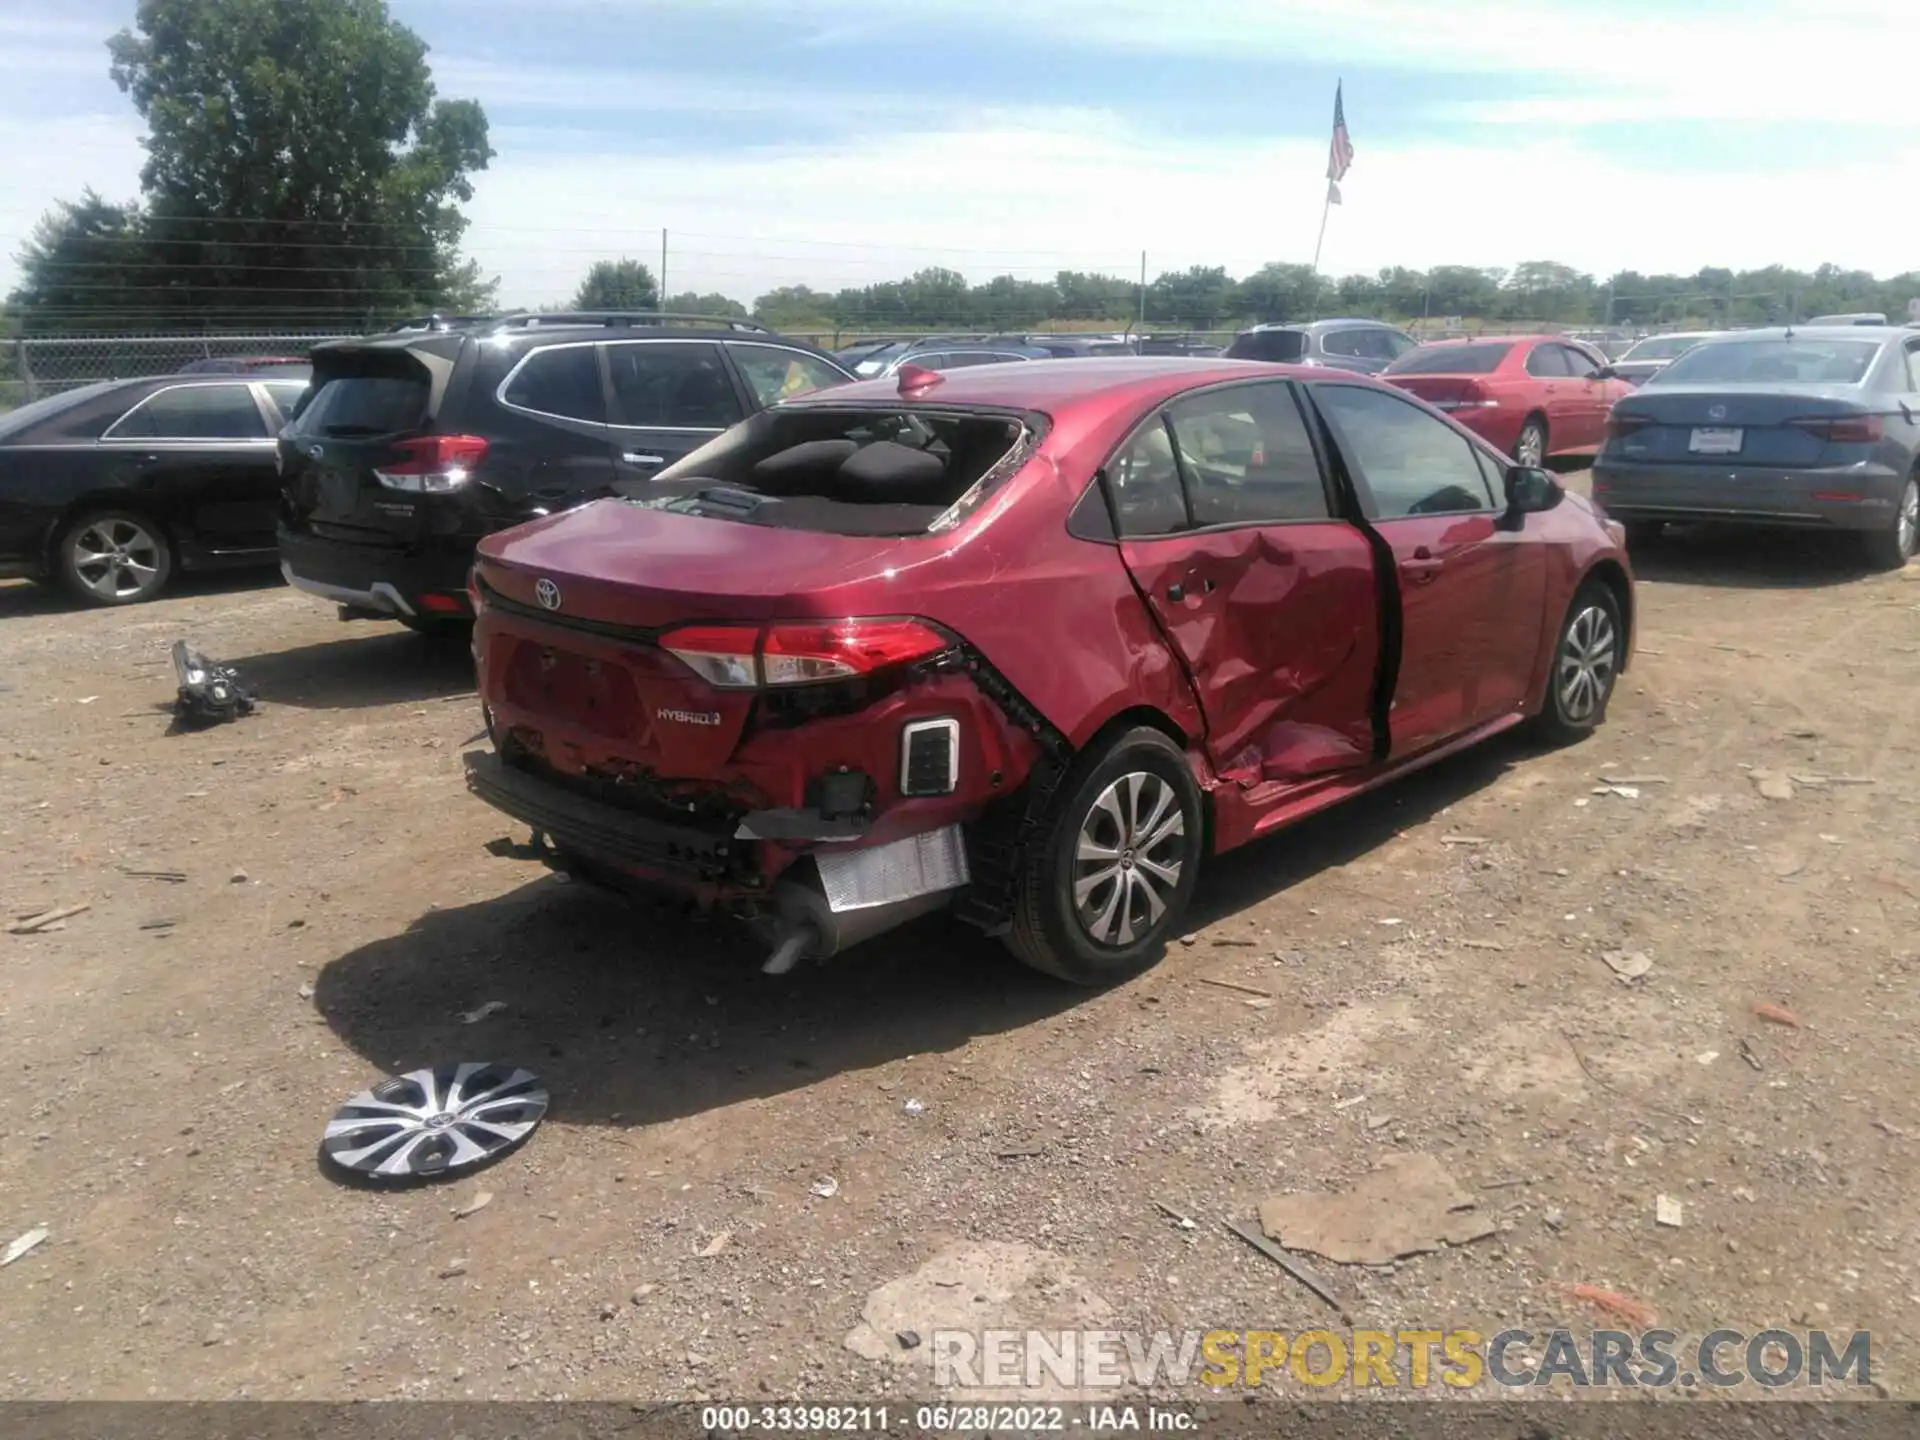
[988, 200]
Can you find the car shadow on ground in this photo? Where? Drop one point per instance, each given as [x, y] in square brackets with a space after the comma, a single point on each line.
[24, 597]
[373, 665]
[1744, 558]
[635, 1015]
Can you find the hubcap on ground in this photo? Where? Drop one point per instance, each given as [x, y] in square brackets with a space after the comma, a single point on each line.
[1909, 521]
[115, 558]
[1532, 444]
[435, 1122]
[1586, 663]
[1128, 858]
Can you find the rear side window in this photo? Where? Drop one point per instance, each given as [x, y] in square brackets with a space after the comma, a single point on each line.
[773, 374]
[1275, 347]
[1346, 342]
[194, 412]
[562, 381]
[1144, 480]
[285, 395]
[1475, 358]
[671, 387]
[1913, 366]
[1409, 462]
[1246, 457]
[1398, 344]
[364, 405]
[1548, 361]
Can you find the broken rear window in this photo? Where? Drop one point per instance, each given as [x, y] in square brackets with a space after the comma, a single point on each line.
[845, 471]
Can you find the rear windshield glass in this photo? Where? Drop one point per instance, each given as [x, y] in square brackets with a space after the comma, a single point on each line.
[364, 405]
[1478, 358]
[1663, 347]
[1790, 362]
[844, 472]
[14, 422]
[1275, 346]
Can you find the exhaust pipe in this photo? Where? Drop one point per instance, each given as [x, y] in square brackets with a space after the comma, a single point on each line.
[806, 927]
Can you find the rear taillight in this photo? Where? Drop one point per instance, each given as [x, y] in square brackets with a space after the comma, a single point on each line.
[432, 464]
[1842, 429]
[741, 657]
[1620, 426]
[1471, 397]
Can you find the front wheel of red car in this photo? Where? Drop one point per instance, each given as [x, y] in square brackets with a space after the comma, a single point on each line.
[1586, 662]
[1114, 871]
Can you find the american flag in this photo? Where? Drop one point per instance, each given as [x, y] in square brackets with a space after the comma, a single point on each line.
[1340, 152]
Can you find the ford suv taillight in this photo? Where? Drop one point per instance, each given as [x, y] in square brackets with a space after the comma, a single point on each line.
[432, 464]
[747, 657]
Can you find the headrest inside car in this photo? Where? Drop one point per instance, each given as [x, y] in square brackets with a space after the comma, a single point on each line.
[886, 470]
[813, 458]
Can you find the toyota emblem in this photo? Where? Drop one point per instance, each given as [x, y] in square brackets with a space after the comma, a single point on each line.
[1716, 412]
[547, 593]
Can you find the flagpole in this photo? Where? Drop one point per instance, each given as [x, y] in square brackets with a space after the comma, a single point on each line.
[1326, 209]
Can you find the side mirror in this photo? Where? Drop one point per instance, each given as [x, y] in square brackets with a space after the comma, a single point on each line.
[1531, 492]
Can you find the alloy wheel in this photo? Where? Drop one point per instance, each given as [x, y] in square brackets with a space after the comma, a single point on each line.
[1908, 523]
[1531, 449]
[115, 558]
[1128, 858]
[1583, 672]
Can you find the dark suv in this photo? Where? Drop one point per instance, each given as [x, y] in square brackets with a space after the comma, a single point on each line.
[1367, 346]
[414, 444]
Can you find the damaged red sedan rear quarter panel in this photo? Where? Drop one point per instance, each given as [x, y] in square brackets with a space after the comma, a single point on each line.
[1295, 657]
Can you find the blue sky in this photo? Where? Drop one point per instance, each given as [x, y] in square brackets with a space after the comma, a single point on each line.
[835, 142]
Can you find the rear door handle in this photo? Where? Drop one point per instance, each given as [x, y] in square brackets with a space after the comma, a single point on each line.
[1421, 567]
[632, 457]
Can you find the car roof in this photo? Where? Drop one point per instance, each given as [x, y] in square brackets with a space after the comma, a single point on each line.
[1313, 325]
[1052, 385]
[1817, 332]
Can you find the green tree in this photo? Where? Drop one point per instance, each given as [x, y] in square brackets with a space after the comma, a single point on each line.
[1200, 296]
[795, 307]
[1278, 292]
[298, 160]
[84, 267]
[617, 285]
[689, 303]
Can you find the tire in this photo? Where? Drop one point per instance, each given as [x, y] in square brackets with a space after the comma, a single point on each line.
[1586, 663]
[1892, 548]
[1140, 781]
[1530, 446]
[113, 557]
[1642, 533]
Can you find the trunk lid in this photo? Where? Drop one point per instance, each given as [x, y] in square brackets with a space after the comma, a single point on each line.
[1735, 425]
[575, 608]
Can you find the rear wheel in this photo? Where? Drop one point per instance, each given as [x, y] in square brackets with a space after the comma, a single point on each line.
[1586, 662]
[1115, 869]
[1530, 449]
[113, 557]
[434, 627]
[1891, 548]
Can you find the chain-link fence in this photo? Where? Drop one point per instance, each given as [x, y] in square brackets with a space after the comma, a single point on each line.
[47, 364]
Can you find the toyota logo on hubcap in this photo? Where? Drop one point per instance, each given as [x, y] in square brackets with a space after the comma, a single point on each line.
[548, 594]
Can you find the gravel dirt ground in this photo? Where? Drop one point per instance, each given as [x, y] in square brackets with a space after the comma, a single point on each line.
[1422, 971]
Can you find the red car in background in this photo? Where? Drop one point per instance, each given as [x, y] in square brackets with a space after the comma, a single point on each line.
[1530, 396]
[1027, 643]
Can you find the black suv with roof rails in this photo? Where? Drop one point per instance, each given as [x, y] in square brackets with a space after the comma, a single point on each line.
[415, 443]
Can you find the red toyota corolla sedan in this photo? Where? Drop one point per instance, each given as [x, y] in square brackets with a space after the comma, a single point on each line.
[1530, 396]
[1026, 642]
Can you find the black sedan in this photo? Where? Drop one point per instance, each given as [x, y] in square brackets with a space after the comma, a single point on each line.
[111, 488]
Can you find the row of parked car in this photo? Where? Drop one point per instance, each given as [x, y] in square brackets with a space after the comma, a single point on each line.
[1027, 641]
[111, 489]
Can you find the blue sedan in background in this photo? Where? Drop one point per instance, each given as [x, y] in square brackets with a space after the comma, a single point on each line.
[1816, 427]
